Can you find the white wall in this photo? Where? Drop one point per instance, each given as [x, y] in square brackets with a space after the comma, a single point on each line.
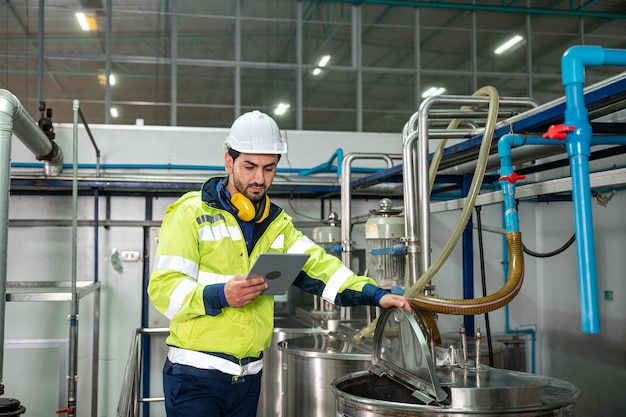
[548, 300]
[141, 145]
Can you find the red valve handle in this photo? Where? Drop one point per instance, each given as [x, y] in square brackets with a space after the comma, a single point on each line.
[558, 132]
[512, 178]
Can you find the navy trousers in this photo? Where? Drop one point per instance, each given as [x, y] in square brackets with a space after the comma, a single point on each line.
[197, 392]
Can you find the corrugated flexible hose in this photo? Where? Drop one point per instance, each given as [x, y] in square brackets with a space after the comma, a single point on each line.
[484, 304]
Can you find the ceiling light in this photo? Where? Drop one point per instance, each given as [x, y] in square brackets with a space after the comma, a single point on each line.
[281, 109]
[433, 91]
[317, 71]
[114, 112]
[102, 79]
[86, 21]
[508, 45]
[324, 61]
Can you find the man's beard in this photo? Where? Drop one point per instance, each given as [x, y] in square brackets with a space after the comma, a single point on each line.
[244, 190]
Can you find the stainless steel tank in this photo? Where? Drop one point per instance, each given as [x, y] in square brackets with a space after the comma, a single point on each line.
[310, 363]
[270, 401]
[384, 251]
[409, 377]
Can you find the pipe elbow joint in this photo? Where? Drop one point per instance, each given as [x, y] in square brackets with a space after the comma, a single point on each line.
[507, 142]
[53, 165]
[575, 59]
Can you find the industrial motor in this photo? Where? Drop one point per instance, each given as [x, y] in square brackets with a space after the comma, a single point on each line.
[385, 258]
[329, 235]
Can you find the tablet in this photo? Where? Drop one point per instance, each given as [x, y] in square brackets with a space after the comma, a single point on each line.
[279, 270]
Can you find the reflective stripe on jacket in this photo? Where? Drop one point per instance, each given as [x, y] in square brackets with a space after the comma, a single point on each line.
[201, 244]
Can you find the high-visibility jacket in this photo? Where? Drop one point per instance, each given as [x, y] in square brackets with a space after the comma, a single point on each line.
[200, 246]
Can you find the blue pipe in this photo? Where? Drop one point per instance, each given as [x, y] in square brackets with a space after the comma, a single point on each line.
[397, 250]
[334, 249]
[608, 140]
[144, 166]
[510, 217]
[595, 140]
[508, 179]
[327, 166]
[578, 145]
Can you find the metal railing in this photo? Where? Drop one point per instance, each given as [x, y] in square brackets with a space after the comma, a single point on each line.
[131, 394]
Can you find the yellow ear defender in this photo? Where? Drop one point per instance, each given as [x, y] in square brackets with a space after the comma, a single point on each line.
[246, 209]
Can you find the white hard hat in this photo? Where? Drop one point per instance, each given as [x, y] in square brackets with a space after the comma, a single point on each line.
[255, 132]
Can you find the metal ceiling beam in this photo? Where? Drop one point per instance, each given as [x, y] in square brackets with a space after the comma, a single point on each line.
[16, 16]
[580, 12]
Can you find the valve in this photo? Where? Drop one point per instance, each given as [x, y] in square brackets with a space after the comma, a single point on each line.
[558, 132]
[45, 120]
[512, 178]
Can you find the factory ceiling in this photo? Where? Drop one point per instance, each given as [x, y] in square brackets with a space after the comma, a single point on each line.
[200, 63]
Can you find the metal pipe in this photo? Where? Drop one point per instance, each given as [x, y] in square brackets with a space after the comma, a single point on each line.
[6, 129]
[524, 154]
[477, 341]
[346, 197]
[95, 368]
[346, 206]
[73, 317]
[26, 129]
[410, 209]
[14, 119]
[93, 141]
[421, 133]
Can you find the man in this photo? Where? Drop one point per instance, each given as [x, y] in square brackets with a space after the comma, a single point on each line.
[219, 321]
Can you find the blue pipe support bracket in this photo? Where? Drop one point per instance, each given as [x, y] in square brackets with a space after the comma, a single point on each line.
[578, 144]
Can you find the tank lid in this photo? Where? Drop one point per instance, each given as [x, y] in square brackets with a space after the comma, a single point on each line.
[401, 353]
